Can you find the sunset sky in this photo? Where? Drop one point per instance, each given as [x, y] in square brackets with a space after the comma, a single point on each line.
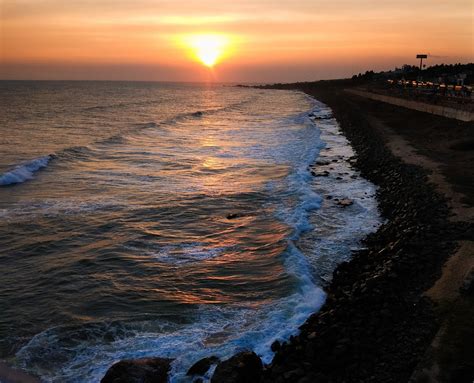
[278, 40]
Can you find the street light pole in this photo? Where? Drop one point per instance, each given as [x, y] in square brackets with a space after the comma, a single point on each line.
[421, 57]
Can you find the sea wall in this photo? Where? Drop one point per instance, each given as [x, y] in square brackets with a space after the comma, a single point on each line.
[458, 114]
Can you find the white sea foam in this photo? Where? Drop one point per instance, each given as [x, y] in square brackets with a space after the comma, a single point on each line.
[183, 253]
[338, 230]
[24, 172]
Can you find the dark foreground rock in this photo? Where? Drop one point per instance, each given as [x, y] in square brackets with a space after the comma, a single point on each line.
[202, 366]
[245, 367]
[146, 370]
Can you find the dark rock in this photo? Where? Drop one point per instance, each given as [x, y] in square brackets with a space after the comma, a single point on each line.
[322, 162]
[244, 367]
[146, 370]
[202, 366]
[275, 346]
[233, 215]
[320, 174]
[293, 374]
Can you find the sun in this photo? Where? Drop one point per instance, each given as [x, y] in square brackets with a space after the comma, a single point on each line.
[207, 48]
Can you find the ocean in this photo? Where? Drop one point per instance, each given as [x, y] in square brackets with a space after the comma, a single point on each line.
[162, 219]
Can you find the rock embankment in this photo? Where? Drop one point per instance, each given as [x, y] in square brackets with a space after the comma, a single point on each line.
[376, 323]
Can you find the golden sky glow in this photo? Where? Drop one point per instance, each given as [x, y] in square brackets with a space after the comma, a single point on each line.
[267, 40]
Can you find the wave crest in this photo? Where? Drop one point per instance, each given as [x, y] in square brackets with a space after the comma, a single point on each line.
[24, 172]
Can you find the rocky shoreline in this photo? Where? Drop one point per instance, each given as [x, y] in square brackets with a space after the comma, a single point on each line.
[376, 323]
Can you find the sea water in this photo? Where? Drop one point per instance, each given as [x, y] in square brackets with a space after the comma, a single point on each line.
[160, 219]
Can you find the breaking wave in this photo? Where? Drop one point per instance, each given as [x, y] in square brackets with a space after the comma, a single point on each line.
[25, 171]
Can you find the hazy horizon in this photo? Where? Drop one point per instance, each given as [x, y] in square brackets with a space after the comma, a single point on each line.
[266, 41]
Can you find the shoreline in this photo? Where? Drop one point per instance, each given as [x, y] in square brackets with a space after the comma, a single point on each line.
[377, 323]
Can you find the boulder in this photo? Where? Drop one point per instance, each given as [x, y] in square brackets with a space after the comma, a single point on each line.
[202, 366]
[324, 173]
[233, 215]
[275, 346]
[244, 367]
[323, 162]
[145, 370]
